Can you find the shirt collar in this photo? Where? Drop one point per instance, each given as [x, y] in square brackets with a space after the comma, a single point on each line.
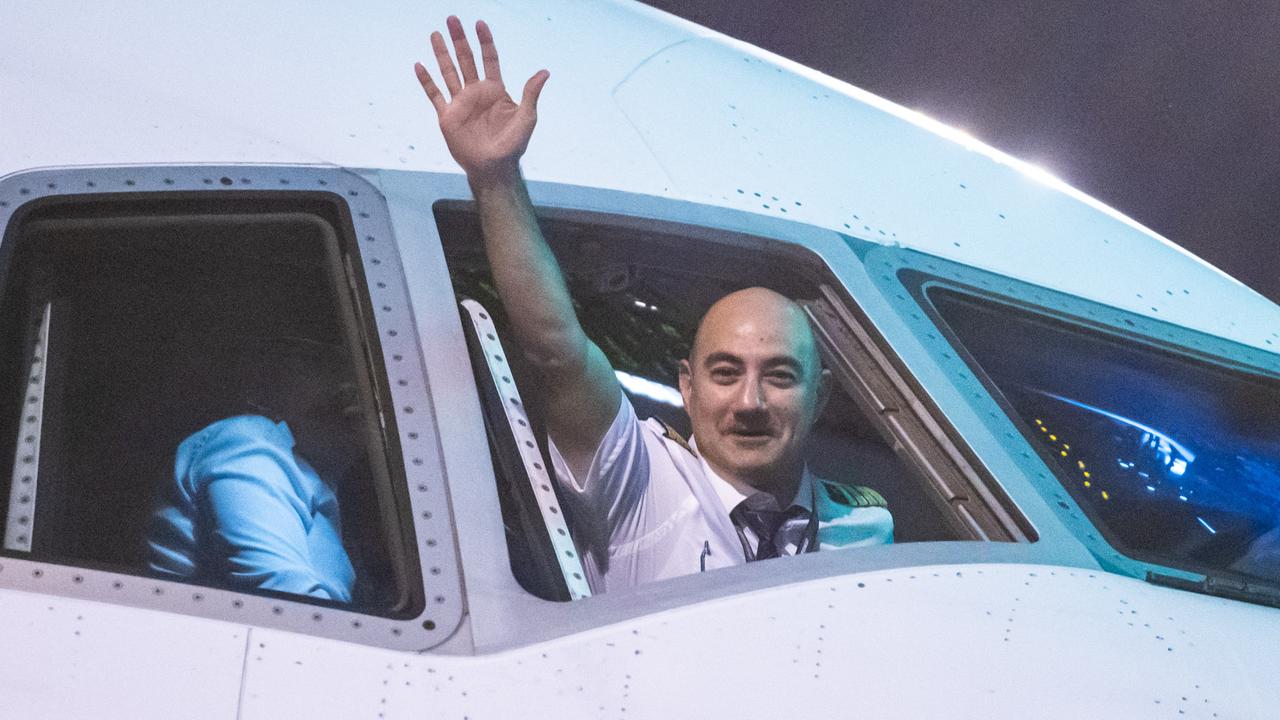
[730, 496]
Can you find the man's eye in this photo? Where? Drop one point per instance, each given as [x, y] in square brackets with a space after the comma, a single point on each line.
[723, 374]
[782, 378]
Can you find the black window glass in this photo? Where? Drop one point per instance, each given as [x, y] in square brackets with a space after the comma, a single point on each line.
[1176, 459]
[206, 400]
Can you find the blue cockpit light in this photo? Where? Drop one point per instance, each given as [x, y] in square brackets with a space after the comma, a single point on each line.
[1161, 442]
[1158, 499]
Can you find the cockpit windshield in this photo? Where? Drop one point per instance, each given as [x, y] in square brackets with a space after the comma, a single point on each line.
[1175, 458]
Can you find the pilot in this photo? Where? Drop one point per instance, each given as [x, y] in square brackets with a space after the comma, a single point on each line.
[649, 505]
[244, 508]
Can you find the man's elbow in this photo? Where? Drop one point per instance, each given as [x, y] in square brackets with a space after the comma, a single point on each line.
[557, 353]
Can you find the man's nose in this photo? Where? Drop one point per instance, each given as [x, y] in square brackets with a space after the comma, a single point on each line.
[750, 395]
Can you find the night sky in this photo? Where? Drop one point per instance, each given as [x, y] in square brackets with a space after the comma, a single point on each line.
[1168, 111]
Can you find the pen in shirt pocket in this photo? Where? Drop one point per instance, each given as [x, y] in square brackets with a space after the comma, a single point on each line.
[702, 559]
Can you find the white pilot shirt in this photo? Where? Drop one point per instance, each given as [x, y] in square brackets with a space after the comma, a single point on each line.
[650, 508]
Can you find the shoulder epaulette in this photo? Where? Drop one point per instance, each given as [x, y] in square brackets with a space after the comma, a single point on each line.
[671, 434]
[853, 495]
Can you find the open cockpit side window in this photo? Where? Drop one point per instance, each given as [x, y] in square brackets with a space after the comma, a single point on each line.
[640, 290]
[188, 395]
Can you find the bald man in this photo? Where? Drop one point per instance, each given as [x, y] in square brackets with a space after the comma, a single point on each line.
[649, 504]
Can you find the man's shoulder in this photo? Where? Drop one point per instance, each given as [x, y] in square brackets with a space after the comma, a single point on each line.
[851, 496]
[852, 516]
[668, 434]
[231, 439]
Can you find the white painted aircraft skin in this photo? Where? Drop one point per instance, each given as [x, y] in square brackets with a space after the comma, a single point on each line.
[130, 83]
[971, 641]
[687, 125]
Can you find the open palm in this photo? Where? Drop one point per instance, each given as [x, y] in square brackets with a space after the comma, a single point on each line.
[485, 130]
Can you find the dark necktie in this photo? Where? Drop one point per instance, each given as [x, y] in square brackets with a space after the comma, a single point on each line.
[777, 531]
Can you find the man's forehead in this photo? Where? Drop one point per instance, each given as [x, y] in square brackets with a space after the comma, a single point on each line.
[754, 322]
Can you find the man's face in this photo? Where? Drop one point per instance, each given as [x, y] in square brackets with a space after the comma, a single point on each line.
[753, 387]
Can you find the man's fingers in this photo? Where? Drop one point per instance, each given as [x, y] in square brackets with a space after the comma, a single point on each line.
[447, 71]
[461, 48]
[429, 86]
[488, 52]
[533, 89]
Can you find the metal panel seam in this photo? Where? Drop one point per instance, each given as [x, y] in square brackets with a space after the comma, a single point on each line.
[244, 672]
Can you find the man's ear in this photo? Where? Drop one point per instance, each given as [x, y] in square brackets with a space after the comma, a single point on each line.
[824, 392]
[686, 382]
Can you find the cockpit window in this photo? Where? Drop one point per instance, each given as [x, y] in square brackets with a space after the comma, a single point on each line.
[1175, 458]
[188, 397]
[639, 293]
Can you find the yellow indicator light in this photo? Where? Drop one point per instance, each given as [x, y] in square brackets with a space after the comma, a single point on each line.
[1086, 474]
[1038, 421]
[1088, 484]
[1064, 453]
[1044, 429]
[1105, 496]
[1053, 438]
[1080, 464]
[1066, 446]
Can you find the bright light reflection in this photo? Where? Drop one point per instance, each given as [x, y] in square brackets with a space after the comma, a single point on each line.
[964, 139]
[1041, 175]
[1156, 434]
[648, 388]
[1206, 525]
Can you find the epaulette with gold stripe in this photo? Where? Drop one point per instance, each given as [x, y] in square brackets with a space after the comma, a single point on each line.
[674, 436]
[853, 495]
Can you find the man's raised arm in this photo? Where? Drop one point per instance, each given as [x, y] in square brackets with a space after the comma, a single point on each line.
[487, 132]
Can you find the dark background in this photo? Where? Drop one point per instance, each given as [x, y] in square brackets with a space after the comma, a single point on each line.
[1168, 111]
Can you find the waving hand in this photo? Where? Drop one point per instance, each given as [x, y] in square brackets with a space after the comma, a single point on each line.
[485, 130]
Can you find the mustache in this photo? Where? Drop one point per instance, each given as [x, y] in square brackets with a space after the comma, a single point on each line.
[749, 427]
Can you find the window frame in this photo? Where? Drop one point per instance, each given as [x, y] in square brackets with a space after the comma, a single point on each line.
[504, 615]
[390, 336]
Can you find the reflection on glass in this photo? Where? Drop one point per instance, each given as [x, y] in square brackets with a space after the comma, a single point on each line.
[1177, 460]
